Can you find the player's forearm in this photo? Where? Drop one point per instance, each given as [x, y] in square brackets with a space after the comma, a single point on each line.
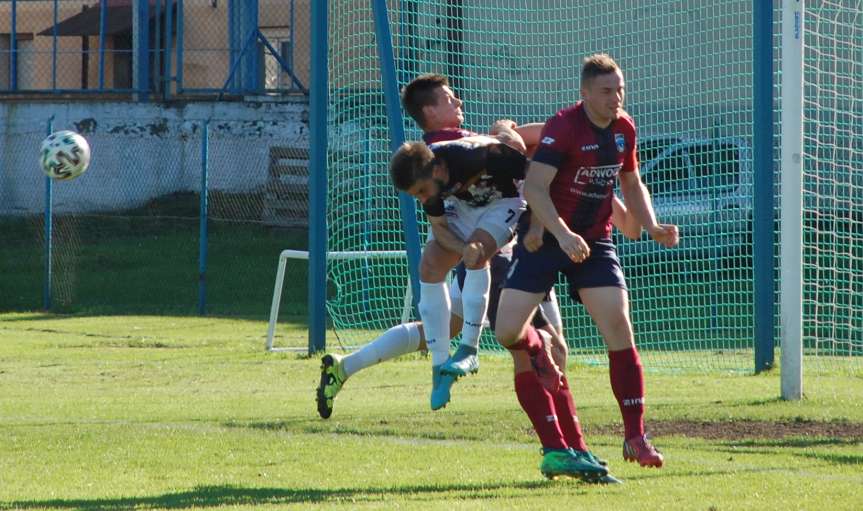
[542, 207]
[447, 239]
[530, 133]
[638, 201]
[509, 137]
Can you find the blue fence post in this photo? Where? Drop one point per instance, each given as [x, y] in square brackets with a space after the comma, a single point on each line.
[764, 199]
[202, 231]
[180, 55]
[318, 92]
[166, 61]
[102, 14]
[49, 232]
[397, 136]
[13, 47]
[54, 47]
[142, 44]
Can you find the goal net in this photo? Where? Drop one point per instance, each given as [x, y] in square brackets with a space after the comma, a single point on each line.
[689, 79]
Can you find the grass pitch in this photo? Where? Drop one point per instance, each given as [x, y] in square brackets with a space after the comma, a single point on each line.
[159, 412]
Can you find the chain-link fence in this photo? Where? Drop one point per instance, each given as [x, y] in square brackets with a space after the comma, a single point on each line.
[158, 47]
[135, 235]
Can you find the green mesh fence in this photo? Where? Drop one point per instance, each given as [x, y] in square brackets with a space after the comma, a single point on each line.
[689, 80]
[833, 186]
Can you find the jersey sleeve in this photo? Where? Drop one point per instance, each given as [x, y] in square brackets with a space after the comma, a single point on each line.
[554, 142]
[506, 161]
[463, 159]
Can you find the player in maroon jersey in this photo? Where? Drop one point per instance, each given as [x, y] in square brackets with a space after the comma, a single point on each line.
[583, 151]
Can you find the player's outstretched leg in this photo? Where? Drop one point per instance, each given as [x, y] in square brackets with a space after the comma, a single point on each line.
[641, 450]
[463, 362]
[332, 379]
[441, 384]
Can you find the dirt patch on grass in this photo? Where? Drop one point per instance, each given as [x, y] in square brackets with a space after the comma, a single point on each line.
[744, 429]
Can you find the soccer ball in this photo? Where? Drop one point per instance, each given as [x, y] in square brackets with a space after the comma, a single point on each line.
[64, 155]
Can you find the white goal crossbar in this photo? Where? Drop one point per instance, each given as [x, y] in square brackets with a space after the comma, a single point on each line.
[304, 255]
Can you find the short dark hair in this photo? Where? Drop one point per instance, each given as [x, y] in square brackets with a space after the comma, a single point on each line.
[420, 92]
[596, 65]
[410, 163]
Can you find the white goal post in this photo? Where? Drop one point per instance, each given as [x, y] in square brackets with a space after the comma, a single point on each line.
[285, 255]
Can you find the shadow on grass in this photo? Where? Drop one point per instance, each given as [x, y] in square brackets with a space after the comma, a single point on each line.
[218, 496]
[836, 459]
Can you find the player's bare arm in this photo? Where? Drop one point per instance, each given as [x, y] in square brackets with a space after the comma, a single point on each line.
[504, 130]
[638, 202]
[534, 234]
[530, 132]
[625, 222]
[536, 185]
[445, 236]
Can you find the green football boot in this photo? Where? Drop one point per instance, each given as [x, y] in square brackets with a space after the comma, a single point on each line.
[332, 379]
[441, 384]
[570, 463]
[596, 459]
[463, 362]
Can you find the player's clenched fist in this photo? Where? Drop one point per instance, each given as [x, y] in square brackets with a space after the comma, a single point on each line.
[666, 235]
[574, 246]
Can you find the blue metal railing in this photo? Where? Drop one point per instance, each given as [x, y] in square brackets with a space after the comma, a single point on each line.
[160, 61]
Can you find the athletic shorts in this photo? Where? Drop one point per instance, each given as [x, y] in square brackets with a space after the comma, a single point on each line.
[499, 218]
[536, 272]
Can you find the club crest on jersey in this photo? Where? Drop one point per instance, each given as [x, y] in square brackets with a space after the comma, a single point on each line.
[620, 142]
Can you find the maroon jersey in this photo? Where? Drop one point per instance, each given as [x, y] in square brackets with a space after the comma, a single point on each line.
[445, 134]
[588, 160]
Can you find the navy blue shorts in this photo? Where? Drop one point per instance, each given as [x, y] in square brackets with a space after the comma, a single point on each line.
[499, 266]
[536, 272]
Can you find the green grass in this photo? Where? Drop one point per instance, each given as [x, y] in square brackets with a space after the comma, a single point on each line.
[162, 412]
[110, 264]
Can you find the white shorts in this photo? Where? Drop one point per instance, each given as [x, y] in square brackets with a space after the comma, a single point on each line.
[499, 218]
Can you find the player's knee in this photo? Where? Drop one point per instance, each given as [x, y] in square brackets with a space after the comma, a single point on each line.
[430, 271]
[475, 255]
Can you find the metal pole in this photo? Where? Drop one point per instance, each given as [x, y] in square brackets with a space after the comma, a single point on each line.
[791, 237]
[13, 47]
[54, 48]
[180, 32]
[49, 233]
[397, 137]
[763, 192]
[166, 73]
[202, 231]
[102, 45]
[141, 48]
[318, 92]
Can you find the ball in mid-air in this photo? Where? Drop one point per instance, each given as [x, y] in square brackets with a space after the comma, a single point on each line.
[64, 155]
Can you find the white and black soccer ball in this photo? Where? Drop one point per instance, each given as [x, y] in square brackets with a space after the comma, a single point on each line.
[64, 155]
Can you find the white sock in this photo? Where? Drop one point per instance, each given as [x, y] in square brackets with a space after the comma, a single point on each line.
[474, 297]
[397, 341]
[551, 310]
[434, 308]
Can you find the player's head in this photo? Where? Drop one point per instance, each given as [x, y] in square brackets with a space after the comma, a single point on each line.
[413, 170]
[431, 102]
[602, 88]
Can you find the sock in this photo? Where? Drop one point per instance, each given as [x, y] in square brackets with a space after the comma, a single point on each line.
[627, 383]
[434, 309]
[396, 341]
[474, 297]
[531, 342]
[539, 407]
[568, 417]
